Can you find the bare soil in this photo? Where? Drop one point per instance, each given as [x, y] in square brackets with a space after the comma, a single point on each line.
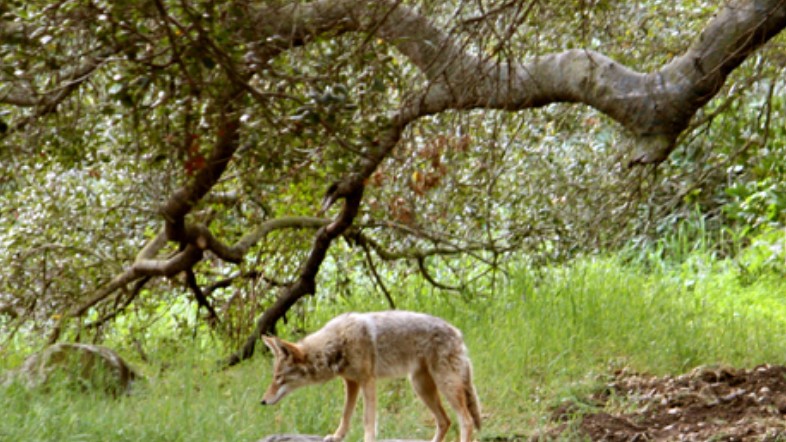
[707, 404]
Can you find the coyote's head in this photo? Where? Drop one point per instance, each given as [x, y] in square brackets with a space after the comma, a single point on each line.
[289, 369]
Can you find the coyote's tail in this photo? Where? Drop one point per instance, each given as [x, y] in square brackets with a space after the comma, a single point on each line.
[472, 398]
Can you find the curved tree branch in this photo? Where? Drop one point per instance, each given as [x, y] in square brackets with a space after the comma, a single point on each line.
[184, 199]
[656, 106]
[424, 271]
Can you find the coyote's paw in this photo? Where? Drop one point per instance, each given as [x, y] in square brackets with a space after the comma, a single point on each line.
[332, 438]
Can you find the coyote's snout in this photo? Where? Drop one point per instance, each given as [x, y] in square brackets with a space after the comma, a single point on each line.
[362, 347]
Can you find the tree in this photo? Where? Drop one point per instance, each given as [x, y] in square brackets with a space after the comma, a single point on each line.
[208, 102]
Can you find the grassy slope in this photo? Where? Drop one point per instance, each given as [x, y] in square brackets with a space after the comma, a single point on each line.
[542, 339]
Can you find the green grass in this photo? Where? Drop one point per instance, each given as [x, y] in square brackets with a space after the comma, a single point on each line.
[547, 336]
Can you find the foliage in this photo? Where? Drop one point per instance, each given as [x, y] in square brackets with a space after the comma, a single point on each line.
[83, 177]
[731, 168]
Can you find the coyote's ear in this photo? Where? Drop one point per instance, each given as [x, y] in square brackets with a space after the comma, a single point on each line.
[284, 349]
[293, 350]
[273, 343]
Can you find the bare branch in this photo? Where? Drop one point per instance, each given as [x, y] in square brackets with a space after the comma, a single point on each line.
[202, 301]
[47, 102]
[146, 265]
[424, 271]
[377, 278]
[138, 285]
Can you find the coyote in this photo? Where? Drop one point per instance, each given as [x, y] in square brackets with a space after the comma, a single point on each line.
[362, 347]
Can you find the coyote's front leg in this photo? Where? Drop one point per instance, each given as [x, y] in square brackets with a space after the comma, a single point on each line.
[351, 398]
[370, 410]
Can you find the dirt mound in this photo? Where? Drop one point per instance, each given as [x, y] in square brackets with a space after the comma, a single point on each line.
[709, 403]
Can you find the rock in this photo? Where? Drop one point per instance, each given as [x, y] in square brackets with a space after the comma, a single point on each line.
[86, 367]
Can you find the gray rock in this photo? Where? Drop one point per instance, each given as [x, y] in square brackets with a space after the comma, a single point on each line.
[84, 366]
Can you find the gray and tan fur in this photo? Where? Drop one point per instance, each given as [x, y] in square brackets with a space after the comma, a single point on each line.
[363, 347]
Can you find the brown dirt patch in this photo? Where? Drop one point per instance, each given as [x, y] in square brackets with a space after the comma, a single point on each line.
[707, 404]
